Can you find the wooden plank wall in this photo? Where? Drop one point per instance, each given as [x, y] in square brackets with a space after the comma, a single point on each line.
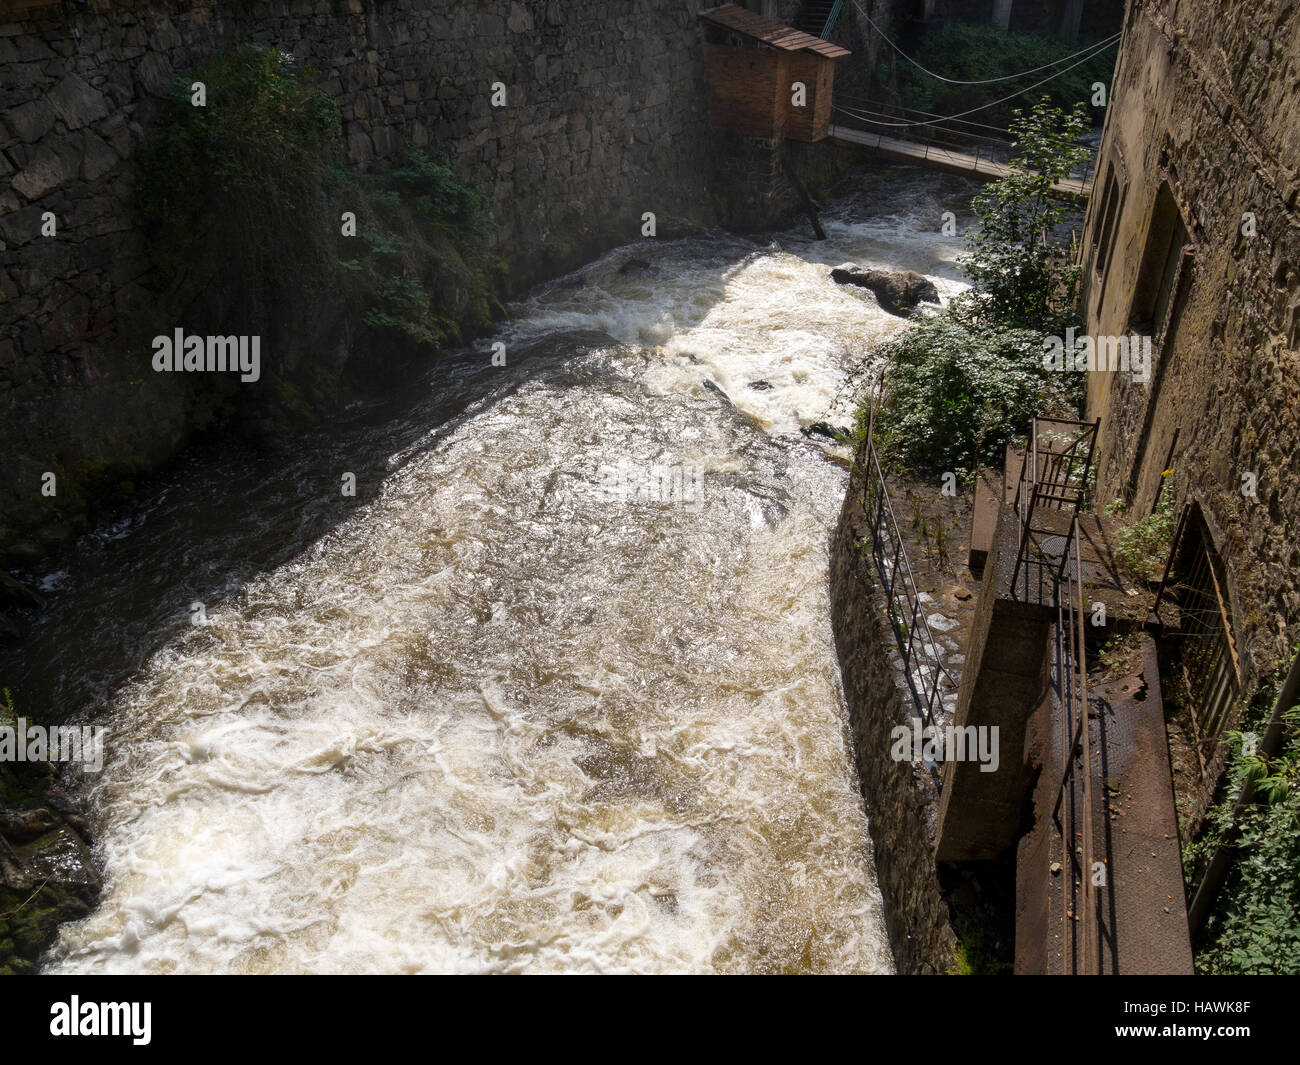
[748, 90]
[811, 122]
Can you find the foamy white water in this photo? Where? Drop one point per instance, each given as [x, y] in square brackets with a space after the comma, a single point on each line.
[495, 720]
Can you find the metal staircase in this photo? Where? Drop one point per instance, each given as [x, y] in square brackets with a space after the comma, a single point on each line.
[819, 17]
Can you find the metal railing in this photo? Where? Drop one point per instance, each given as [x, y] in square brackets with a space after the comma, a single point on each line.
[982, 142]
[1054, 481]
[1054, 476]
[1073, 812]
[1209, 661]
[923, 665]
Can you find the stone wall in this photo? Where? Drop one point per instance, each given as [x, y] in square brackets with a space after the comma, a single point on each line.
[1203, 102]
[1087, 18]
[605, 119]
[916, 913]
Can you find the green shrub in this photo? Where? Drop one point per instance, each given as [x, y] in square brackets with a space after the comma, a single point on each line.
[425, 273]
[1143, 547]
[241, 180]
[438, 197]
[1254, 926]
[244, 201]
[965, 382]
[1019, 275]
[961, 388]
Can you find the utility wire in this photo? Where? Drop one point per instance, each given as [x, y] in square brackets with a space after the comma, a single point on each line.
[988, 81]
[862, 113]
[869, 107]
[982, 107]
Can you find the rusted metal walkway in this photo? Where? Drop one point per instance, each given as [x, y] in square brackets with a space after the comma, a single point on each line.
[1100, 887]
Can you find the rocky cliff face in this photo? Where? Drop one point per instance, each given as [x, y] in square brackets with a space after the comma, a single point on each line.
[604, 119]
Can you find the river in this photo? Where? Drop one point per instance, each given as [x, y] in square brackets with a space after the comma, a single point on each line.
[555, 690]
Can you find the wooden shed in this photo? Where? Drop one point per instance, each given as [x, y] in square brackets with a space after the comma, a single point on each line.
[755, 65]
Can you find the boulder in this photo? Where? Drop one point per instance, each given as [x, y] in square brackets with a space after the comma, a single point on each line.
[831, 432]
[896, 292]
[47, 870]
[637, 268]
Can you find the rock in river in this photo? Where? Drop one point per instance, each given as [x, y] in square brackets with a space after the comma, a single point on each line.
[896, 292]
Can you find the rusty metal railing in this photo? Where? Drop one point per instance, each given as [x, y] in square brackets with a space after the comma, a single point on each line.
[1079, 943]
[1052, 479]
[923, 665]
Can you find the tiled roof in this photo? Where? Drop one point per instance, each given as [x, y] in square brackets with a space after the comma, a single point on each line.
[777, 34]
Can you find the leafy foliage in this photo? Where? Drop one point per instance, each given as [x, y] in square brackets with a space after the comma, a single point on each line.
[970, 52]
[1254, 927]
[966, 381]
[960, 389]
[1019, 274]
[424, 230]
[244, 200]
[239, 175]
[436, 194]
[1143, 547]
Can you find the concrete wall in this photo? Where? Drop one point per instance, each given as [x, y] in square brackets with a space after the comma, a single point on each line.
[1204, 102]
[606, 109]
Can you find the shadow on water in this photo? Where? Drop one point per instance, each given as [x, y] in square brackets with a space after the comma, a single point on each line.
[223, 516]
[220, 519]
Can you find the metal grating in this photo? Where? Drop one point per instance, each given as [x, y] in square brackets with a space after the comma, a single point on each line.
[1211, 669]
[926, 675]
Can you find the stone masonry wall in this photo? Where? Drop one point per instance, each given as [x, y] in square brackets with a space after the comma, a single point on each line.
[916, 913]
[605, 119]
[1204, 98]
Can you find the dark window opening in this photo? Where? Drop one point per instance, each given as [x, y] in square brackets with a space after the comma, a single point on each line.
[1109, 220]
[1207, 663]
[1161, 260]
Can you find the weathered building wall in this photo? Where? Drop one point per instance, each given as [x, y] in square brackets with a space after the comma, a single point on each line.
[1204, 103]
[605, 120]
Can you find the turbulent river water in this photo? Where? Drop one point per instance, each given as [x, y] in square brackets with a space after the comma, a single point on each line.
[556, 690]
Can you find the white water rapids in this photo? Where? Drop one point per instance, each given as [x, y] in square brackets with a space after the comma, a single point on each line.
[485, 717]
